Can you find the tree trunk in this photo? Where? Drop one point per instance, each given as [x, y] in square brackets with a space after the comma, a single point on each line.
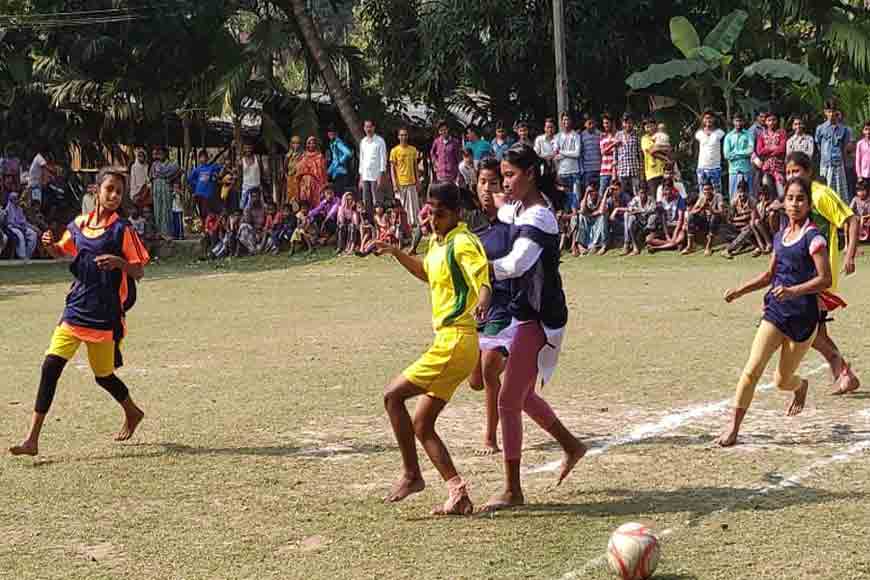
[339, 94]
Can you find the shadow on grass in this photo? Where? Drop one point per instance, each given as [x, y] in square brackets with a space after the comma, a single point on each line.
[275, 451]
[55, 272]
[698, 501]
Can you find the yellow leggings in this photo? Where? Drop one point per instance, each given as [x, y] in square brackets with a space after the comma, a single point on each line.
[767, 340]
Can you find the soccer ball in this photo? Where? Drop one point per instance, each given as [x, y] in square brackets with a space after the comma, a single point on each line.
[633, 552]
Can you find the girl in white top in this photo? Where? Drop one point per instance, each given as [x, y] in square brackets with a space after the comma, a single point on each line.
[800, 141]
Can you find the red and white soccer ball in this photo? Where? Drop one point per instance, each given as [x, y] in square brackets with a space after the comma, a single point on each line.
[633, 552]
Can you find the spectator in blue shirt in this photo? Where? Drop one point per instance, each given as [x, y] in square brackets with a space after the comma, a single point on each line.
[480, 148]
[203, 182]
[832, 137]
[340, 156]
[501, 143]
[590, 146]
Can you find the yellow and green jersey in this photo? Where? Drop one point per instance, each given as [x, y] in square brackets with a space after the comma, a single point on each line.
[456, 267]
[829, 213]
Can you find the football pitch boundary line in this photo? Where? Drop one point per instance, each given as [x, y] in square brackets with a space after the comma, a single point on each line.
[666, 424]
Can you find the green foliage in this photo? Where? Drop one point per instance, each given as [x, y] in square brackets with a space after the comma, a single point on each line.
[727, 31]
[657, 74]
[684, 36]
[770, 68]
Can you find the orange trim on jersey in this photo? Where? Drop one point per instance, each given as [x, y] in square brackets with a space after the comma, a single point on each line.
[88, 334]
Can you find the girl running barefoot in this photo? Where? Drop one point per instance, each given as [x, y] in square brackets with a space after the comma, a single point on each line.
[493, 324]
[799, 270]
[456, 270]
[109, 257]
[539, 316]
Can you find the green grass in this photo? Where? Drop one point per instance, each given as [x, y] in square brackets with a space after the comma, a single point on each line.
[265, 448]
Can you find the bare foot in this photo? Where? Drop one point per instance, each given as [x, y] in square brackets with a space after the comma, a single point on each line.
[708, 252]
[458, 504]
[27, 447]
[800, 398]
[503, 501]
[625, 252]
[602, 251]
[727, 439]
[132, 419]
[404, 487]
[489, 448]
[569, 460]
[687, 251]
[635, 253]
[847, 383]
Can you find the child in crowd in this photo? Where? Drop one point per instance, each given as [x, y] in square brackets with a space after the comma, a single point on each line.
[401, 226]
[273, 220]
[382, 222]
[861, 206]
[366, 229]
[137, 221]
[213, 231]
[305, 233]
[424, 227]
[764, 216]
[228, 244]
[247, 237]
[705, 218]
[348, 225]
[108, 260]
[177, 210]
[282, 232]
[636, 215]
[467, 175]
[229, 188]
[799, 271]
[662, 144]
[743, 220]
[566, 228]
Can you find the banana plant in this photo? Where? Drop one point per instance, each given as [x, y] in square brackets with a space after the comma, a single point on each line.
[710, 64]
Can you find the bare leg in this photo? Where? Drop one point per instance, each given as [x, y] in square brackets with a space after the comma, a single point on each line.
[728, 438]
[395, 395]
[493, 365]
[30, 445]
[845, 380]
[133, 415]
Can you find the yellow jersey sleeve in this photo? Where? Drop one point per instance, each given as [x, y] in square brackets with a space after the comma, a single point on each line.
[830, 206]
[471, 258]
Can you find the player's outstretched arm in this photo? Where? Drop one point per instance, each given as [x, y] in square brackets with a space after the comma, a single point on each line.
[412, 264]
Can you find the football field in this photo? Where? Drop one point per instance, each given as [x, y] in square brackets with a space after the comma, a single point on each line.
[265, 449]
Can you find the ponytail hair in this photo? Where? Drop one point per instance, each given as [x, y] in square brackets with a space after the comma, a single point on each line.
[522, 156]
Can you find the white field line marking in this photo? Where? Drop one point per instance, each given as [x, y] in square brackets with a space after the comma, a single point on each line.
[664, 425]
[845, 454]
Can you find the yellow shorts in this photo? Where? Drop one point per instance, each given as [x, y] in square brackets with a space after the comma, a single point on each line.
[101, 355]
[448, 362]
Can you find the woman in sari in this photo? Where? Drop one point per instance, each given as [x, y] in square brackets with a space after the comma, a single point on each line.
[163, 173]
[294, 156]
[311, 172]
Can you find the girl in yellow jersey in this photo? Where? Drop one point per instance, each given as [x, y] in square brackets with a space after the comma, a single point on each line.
[456, 269]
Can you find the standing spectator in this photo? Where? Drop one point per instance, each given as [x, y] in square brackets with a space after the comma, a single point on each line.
[709, 139]
[404, 175]
[291, 167]
[861, 207]
[755, 131]
[800, 140]
[608, 145]
[253, 174]
[590, 144]
[862, 154]
[348, 223]
[501, 143]
[40, 174]
[22, 235]
[178, 210]
[163, 173]
[480, 148]
[629, 157]
[311, 172]
[372, 166]
[446, 153]
[523, 134]
[89, 199]
[738, 149]
[467, 174]
[10, 168]
[339, 155]
[203, 183]
[545, 145]
[568, 159]
[140, 181]
[832, 137]
[770, 149]
[653, 167]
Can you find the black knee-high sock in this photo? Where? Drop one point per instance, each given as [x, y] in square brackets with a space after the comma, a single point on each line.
[52, 367]
[115, 387]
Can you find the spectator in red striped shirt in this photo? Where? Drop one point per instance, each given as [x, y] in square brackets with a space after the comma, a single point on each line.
[608, 154]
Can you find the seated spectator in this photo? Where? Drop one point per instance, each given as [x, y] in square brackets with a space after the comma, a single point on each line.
[617, 202]
[228, 244]
[592, 224]
[861, 206]
[743, 220]
[424, 227]
[671, 172]
[636, 216]
[305, 233]
[384, 226]
[366, 228]
[282, 231]
[212, 231]
[766, 213]
[4, 237]
[249, 234]
[668, 227]
[566, 228]
[705, 219]
[272, 220]
[21, 233]
[321, 210]
[347, 222]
